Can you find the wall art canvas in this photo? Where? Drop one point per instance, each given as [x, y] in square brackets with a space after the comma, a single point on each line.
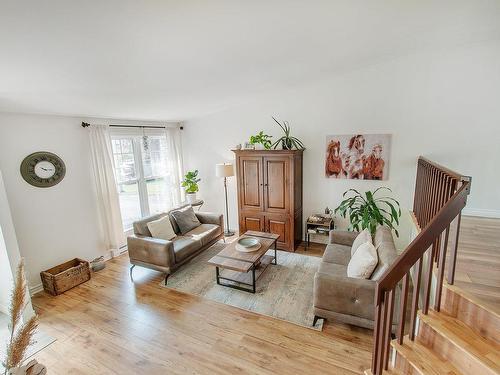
[358, 156]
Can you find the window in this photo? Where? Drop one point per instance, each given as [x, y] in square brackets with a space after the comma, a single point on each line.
[140, 161]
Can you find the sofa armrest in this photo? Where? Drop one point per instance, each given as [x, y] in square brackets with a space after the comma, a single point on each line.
[342, 237]
[211, 218]
[151, 250]
[344, 295]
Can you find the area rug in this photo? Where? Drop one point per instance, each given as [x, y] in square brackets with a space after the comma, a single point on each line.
[284, 291]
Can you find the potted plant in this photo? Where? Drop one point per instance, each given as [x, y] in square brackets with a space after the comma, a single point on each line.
[367, 210]
[287, 141]
[190, 183]
[261, 139]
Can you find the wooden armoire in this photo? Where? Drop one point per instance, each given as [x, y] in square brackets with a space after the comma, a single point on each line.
[270, 193]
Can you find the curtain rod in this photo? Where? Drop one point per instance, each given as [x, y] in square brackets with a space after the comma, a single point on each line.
[85, 125]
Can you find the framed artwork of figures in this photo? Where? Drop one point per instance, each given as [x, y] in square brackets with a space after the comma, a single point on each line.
[358, 156]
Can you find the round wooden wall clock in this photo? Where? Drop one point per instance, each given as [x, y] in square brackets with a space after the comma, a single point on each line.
[43, 169]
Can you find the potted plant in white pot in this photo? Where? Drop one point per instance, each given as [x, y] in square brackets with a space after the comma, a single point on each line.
[190, 183]
[261, 141]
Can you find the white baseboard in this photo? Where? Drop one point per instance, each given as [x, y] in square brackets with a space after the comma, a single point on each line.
[481, 212]
[108, 256]
[36, 289]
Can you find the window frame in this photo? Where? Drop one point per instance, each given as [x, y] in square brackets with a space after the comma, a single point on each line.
[135, 135]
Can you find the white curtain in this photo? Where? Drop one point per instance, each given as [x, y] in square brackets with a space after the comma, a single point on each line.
[104, 177]
[174, 164]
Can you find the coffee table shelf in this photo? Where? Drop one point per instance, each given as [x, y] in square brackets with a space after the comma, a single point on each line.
[241, 270]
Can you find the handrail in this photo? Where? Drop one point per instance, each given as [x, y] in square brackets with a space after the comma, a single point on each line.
[423, 241]
[440, 196]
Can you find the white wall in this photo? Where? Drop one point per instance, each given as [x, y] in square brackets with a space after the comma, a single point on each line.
[440, 104]
[58, 223]
[9, 253]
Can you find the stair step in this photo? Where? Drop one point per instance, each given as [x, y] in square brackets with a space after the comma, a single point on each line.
[422, 360]
[481, 318]
[456, 342]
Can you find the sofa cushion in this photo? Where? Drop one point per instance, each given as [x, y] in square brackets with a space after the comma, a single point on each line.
[363, 236]
[161, 228]
[205, 233]
[184, 247]
[338, 254]
[332, 269]
[363, 262]
[386, 251]
[141, 226]
[185, 219]
[334, 291]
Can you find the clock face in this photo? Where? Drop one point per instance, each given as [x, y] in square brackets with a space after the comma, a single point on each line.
[43, 169]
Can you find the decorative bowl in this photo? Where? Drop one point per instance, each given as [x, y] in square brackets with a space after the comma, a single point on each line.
[248, 242]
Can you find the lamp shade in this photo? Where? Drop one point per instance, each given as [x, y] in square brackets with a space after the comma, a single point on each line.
[224, 170]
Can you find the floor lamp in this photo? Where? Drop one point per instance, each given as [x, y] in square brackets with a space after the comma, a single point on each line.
[225, 170]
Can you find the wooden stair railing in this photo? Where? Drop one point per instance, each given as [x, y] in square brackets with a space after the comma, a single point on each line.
[440, 196]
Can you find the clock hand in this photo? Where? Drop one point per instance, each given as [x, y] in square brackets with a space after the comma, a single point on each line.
[47, 170]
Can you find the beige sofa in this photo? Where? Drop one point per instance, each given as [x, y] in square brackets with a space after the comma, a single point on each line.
[344, 299]
[167, 256]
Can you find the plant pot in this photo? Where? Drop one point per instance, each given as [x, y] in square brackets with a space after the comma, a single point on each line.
[286, 144]
[191, 197]
[259, 146]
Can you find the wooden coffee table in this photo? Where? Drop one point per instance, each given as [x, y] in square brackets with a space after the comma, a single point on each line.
[243, 269]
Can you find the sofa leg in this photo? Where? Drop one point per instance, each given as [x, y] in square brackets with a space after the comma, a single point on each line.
[131, 268]
[166, 278]
[315, 320]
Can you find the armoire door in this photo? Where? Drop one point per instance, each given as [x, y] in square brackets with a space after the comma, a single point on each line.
[279, 224]
[276, 184]
[251, 221]
[251, 183]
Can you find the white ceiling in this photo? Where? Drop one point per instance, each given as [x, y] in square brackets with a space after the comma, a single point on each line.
[174, 60]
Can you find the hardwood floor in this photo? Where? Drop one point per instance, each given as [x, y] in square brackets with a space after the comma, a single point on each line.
[110, 325]
[478, 261]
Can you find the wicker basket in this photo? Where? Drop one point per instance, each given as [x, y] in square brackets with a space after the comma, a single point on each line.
[65, 276]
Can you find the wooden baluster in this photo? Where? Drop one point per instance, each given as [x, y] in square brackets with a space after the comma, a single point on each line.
[388, 327]
[376, 334]
[418, 182]
[442, 260]
[381, 335]
[427, 197]
[439, 204]
[402, 308]
[453, 253]
[414, 304]
[454, 247]
[428, 279]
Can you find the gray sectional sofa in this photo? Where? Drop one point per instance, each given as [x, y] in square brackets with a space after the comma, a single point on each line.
[166, 256]
[340, 298]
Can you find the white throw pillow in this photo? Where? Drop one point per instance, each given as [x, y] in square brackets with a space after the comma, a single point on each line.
[363, 262]
[363, 236]
[162, 228]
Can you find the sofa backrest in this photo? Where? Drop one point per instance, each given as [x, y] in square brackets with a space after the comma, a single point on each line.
[141, 226]
[386, 250]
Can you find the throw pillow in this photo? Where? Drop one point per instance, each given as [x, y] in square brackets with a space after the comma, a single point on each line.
[186, 219]
[161, 228]
[363, 236]
[363, 262]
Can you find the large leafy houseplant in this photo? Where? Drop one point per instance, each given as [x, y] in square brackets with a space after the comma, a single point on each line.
[287, 141]
[367, 210]
[190, 182]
